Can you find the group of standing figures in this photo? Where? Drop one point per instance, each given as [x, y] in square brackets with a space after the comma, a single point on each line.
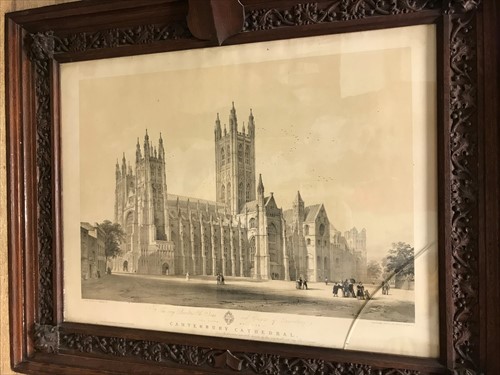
[301, 284]
[220, 279]
[347, 289]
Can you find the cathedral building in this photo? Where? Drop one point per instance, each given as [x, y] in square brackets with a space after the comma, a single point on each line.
[242, 233]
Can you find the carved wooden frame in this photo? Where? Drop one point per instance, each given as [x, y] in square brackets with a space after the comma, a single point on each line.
[39, 40]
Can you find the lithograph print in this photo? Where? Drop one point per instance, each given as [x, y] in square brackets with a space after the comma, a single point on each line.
[266, 191]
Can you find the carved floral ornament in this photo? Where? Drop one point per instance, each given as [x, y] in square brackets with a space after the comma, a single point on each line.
[257, 19]
[463, 149]
[345, 10]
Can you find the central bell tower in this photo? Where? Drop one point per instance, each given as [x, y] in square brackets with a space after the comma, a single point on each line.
[235, 162]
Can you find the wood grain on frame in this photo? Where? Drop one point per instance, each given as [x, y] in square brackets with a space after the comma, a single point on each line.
[38, 40]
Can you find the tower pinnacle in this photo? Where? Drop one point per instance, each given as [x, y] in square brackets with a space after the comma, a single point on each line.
[124, 165]
[251, 124]
[260, 187]
[161, 150]
[217, 128]
[146, 145]
[233, 121]
[138, 154]
[117, 171]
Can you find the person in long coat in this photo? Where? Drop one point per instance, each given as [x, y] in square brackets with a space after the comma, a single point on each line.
[335, 290]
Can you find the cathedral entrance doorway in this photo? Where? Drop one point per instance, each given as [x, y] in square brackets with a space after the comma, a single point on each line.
[164, 269]
[125, 266]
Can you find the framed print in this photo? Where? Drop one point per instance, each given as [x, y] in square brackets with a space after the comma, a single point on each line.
[255, 187]
[212, 228]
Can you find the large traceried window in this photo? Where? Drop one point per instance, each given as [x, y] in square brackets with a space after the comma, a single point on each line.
[252, 252]
[223, 194]
[273, 238]
[240, 194]
[240, 152]
[129, 228]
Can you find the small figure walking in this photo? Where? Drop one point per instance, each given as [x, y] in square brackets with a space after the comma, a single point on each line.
[326, 280]
[305, 284]
[335, 290]
[385, 287]
[187, 276]
[360, 294]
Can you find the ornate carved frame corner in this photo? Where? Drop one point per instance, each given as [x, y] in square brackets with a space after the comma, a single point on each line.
[39, 40]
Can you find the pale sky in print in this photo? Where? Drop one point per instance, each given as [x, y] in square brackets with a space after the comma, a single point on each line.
[336, 127]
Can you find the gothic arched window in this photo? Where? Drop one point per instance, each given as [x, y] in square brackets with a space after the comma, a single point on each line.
[222, 156]
[252, 223]
[240, 193]
[247, 154]
[229, 194]
[248, 192]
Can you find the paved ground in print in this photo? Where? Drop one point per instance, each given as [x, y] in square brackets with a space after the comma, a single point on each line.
[245, 294]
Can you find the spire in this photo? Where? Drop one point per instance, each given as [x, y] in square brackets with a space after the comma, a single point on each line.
[233, 121]
[124, 165]
[146, 145]
[138, 155]
[298, 199]
[298, 213]
[243, 130]
[251, 124]
[117, 170]
[161, 150]
[217, 129]
[260, 187]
